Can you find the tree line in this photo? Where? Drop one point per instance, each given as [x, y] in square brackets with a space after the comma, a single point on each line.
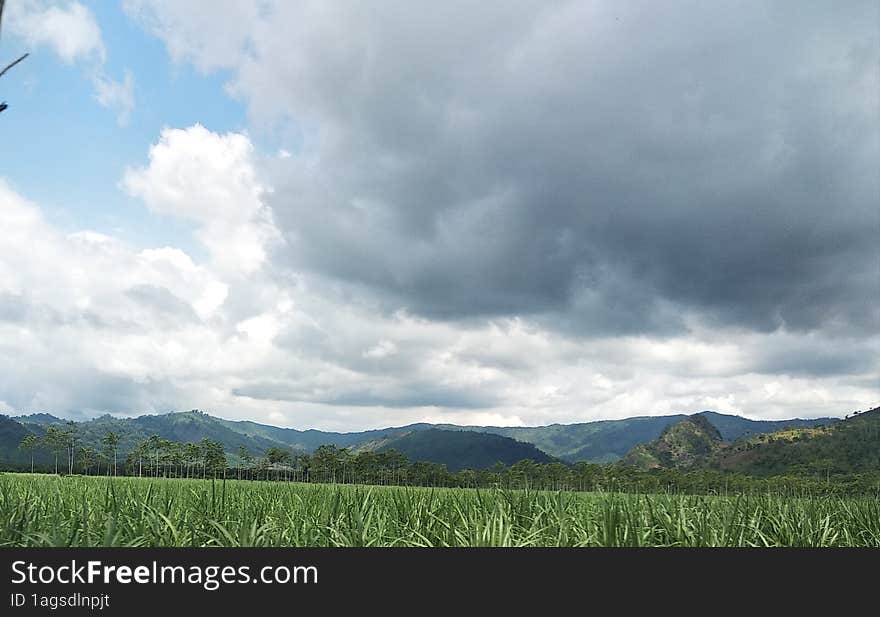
[159, 457]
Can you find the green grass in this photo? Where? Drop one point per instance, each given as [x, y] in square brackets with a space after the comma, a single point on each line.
[44, 510]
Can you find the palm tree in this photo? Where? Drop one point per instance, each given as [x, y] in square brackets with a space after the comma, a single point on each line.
[70, 433]
[111, 442]
[29, 443]
[139, 452]
[55, 439]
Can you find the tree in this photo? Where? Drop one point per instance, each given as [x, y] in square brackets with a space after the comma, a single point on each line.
[154, 446]
[87, 457]
[191, 455]
[111, 443]
[244, 457]
[213, 457]
[174, 455]
[277, 457]
[328, 460]
[55, 440]
[29, 443]
[138, 453]
[14, 62]
[70, 433]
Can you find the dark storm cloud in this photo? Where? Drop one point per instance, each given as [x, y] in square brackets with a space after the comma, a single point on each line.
[604, 166]
[808, 356]
[412, 395]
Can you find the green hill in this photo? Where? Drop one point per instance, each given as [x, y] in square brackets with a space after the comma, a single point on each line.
[179, 426]
[602, 441]
[687, 444]
[599, 442]
[849, 446]
[11, 434]
[310, 439]
[459, 449]
[606, 441]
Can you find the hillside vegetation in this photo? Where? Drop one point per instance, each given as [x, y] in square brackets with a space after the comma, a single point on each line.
[851, 446]
[846, 447]
[596, 442]
[459, 449]
[687, 444]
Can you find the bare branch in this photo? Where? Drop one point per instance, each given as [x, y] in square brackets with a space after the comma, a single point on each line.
[12, 64]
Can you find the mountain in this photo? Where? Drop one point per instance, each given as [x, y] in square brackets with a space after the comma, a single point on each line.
[11, 434]
[736, 427]
[310, 439]
[459, 449]
[605, 441]
[177, 426]
[39, 418]
[687, 444]
[848, 446]
[195, 425]
[601, 441]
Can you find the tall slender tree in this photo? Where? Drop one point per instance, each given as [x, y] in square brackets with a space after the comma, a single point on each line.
[29, 443]
[244, 458]
[71, 432]
[111, 443]
[55, 440]
[154, 447]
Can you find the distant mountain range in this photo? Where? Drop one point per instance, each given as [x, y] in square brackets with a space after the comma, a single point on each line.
[850, 446]
[601, 441]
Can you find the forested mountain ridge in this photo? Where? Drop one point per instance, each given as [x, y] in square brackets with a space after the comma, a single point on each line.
[850, 446]
[458, 449]
[687, 444]
[600, 441]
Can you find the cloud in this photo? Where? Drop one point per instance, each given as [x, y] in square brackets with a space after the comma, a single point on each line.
[118, 95]
[603, 168]
[72, 32]
[209, 178]
[115, 328]
[506, 213]
[69, 29]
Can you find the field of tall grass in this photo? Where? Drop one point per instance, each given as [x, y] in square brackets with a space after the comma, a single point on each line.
[46, 510]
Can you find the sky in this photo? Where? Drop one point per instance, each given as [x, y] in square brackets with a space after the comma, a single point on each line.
[343, 215]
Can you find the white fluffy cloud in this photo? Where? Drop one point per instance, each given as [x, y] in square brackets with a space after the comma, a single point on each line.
[209, 178]
[71, 31]
[113, 328]
[407, 255]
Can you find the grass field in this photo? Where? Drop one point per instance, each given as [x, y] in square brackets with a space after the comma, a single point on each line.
[44, 510]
